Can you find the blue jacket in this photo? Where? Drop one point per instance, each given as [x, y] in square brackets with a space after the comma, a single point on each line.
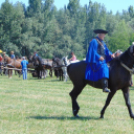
[24, 64]
[97, 69]
[12, 56]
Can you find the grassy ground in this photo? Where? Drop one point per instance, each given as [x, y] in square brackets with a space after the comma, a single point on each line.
[44, 107]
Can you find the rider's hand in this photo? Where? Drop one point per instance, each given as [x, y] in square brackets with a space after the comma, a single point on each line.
[101, 58]
[113, 56]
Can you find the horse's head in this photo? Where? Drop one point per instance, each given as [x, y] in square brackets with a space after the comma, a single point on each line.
[131, 51]
[34, 59]
[30, 59]
[56, 61]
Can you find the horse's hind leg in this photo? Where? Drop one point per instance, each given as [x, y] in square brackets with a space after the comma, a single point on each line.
[110, 96]
[74, 94]
[62, 74]
[9, 73]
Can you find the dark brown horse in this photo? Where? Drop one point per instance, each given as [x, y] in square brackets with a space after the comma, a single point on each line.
[41, 65]
[47, 63]
[120, 78]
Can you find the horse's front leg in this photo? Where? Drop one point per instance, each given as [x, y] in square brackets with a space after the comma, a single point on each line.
[62, 74]
[38, 74]
[109, 98]
[126, 97]
[50, 73]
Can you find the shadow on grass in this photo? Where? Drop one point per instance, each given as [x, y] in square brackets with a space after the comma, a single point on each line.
[62, 118]
[131, 88]
[45, 80]
[55, 80]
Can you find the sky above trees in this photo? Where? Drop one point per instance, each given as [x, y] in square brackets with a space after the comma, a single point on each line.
[114, 5]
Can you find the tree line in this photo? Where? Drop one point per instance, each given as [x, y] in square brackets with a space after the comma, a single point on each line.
[51, 32]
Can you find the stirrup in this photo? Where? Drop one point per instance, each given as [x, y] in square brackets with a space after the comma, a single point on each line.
[106, 90]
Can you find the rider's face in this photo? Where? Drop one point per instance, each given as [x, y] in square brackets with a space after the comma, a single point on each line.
[101, 36]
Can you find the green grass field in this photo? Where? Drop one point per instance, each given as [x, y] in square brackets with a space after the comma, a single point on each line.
[44, 107]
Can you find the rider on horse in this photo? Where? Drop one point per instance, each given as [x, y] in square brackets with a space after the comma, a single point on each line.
[12, 55]
[73, 58]
[97, 58]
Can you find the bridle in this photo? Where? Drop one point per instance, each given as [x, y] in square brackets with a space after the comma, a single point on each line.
[126, 67]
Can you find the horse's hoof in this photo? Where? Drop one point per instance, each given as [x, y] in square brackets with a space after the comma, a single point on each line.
[77, 116]
[101, 117]
[132, 117]
[75, 112]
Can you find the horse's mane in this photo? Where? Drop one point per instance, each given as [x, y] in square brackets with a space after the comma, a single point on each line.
[124, 58]
[57, 60]
[37, 58]
[6, 56]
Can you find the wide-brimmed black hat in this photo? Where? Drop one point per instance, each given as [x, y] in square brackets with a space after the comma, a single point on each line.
[96, 31]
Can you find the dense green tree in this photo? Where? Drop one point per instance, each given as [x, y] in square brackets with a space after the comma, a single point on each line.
[34, 7]
[120, 37]
[11, 21]
[41, 27]
[131, 11]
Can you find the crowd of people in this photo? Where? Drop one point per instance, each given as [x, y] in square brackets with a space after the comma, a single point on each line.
[24, 62]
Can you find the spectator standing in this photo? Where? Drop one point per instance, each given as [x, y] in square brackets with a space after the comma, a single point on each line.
[24, 64]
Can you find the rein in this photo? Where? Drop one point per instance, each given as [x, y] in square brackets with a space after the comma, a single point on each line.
[127, 68]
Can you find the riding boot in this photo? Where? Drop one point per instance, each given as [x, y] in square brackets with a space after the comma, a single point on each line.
[105, 86]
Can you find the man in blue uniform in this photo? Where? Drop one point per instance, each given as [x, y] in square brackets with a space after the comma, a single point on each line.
[24, 64]
[97, 58]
